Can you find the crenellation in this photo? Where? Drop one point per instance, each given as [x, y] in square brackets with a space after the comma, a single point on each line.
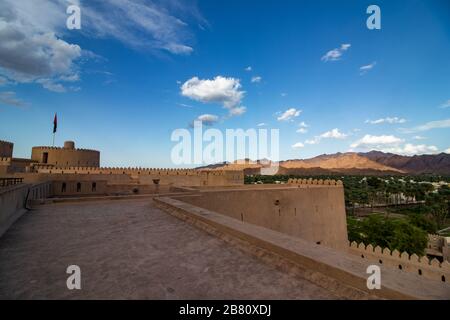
[422, 266]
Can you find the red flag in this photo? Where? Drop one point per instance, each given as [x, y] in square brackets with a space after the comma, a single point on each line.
[55, 123]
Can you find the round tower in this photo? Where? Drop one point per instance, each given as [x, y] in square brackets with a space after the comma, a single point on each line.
[67, 156]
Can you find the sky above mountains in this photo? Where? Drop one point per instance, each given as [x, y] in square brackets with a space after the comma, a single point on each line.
[137, 70]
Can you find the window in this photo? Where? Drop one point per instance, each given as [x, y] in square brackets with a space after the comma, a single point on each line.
[78, 187]
[45, 157]
[94, 186]
[63, 187]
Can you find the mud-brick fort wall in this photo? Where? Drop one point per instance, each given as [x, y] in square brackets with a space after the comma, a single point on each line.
[66, 156]
[6, 149]
[313, 210]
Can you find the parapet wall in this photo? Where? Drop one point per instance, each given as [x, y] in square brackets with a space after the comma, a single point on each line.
[143, 176]
[422, 266]
[312, 182]
[315, 214]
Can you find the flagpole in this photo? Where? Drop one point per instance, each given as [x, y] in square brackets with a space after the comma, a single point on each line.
[54, 139]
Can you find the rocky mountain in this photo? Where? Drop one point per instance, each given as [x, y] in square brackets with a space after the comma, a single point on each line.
[417, 164]
[369, 163]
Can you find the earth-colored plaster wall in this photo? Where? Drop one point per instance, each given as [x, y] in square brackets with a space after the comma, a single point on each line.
[6, 149]
[66, 156]
[12, 201]
[313, 212]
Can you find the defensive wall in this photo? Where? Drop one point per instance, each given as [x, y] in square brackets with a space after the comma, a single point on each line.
[339, 271]
[313, 211]
[14, 200]
[135, 176]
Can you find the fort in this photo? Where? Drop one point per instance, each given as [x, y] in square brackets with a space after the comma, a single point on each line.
[186, 233]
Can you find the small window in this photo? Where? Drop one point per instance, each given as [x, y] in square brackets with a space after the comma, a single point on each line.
[63, 187]
[45, 157]
[94, 186]
[78, 187]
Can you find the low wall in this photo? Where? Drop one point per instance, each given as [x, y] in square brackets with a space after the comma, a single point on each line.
[421, 266]
[340, 272]
[13, 201]
[312, 212]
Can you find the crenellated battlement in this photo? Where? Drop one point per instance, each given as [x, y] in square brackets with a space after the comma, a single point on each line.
[128, 170]
[421, 266]
[5, 159]
[310, 181]
[43, 148]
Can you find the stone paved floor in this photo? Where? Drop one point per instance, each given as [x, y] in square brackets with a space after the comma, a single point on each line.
[132, 250]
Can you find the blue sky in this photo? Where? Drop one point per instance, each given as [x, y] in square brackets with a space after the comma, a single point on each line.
[137, 70]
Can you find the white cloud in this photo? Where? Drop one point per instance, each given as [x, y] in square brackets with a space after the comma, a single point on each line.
[32, 34]
[207, 119]
[225, 91]
[390, 120]
[419, 138]
[411, 149]
[262, 124]
[446, 104]
[391, 144]
[298, 145]
[370, 141]
[283, 94]
[256, 79]
[366, 68]
[303, 124]
[335, 54]
[332, 134]
[302, 130]
[9, 98]
[447, 150]
[438, 124]
[249, 68]
[237, 111]
[289, 114]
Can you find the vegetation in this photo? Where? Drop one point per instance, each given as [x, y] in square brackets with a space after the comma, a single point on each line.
[390, 211]
[388, 233]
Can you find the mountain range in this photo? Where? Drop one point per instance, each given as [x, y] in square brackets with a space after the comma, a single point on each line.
[366, 163]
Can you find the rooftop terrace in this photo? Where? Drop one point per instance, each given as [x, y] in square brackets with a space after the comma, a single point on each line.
[130, 249]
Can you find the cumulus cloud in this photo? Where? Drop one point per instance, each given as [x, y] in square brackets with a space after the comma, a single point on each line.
[237, 111]
[336, 54]
[438, 124]
[298, 145]
[302, 127]
[256, 79]
[289, 114]
[366, 68]
[9, 98]
[390, 120]
[221, 90]
[391, 144]
[332, 134]
[206, 119]
[370, 141]
[32, 34]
